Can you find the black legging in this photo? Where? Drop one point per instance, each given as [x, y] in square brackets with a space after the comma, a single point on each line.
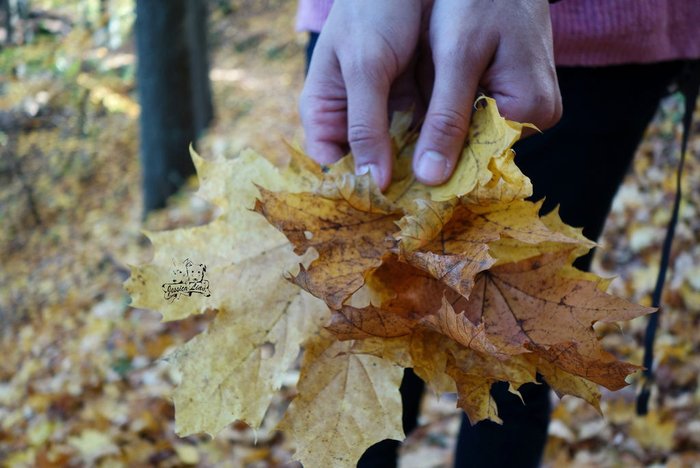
[579, 165]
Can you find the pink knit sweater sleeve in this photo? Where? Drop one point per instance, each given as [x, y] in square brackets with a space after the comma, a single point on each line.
[607, 32]
[596, 32]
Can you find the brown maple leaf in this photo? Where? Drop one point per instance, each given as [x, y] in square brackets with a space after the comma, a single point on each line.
[349, 242]
[544, 306]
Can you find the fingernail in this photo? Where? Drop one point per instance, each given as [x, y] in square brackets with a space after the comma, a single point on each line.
[362, 169]
[432, 166]
[373, 169]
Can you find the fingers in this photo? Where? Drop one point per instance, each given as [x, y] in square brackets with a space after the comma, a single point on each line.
[533, 96]
[522, 77]
[323, 106]
[362, 49]
[503, 48]
[370, 67]
[368, 84]
[459, 63]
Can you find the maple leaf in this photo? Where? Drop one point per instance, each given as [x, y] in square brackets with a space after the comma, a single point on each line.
[401, 296]
[461, 249]
[243, 255]
[348, 241]
[233, 248]
[513, 249]
[228, 373]
[490, 138]
[540, 305]
[463, 282]
[566, 383]
[474, 373]
[460, 329]
[346, 403]
[358, 323]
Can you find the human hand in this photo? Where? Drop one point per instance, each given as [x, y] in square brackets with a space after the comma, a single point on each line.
[376, 57]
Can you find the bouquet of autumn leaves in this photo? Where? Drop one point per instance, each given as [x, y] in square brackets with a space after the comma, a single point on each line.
[465, 283]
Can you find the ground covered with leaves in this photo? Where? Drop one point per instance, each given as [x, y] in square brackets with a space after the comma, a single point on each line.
[82, 380]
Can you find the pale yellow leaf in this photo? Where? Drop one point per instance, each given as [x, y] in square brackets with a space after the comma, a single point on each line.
[346, 403]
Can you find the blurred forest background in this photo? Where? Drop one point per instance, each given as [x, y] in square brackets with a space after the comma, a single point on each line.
[82, 381]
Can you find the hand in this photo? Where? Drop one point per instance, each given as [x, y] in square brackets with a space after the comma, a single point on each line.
[376, 57]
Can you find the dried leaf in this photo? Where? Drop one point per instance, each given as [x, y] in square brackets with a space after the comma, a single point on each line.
[474, 373]
[532, 305]
[357, 323]
[511, 249]
[461, 250]
[348, 241]
[565, 383]
[226, 373]
[234, 249]
[460, 329]
[507, 183]
[233, 370]
[346, 403]
[464, 282]
[490, 136]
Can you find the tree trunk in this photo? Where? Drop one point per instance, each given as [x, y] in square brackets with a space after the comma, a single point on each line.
[174, 91]
[199, 66]
[7, 17]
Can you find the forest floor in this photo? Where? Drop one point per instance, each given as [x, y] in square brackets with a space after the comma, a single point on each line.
[82, 381]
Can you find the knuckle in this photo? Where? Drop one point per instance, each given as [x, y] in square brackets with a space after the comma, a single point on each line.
[450, 53]
[370, 67]
[544, 108]
[314, 111]
[309, 119]
[541, 108]
[448, 123]
[360, 134]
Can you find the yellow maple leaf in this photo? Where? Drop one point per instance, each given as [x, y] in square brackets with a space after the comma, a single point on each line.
[346, 403]
[233, 249]
[489, 141]
[231, 371]
[229, 262]
[512, 249]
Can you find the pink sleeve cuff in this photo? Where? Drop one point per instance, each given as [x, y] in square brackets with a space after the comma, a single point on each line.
[595, 32]
[312, 14]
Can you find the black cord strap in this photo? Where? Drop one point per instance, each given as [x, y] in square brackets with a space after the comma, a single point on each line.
[688, 85]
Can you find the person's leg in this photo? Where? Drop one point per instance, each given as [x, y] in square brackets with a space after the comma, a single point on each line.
[578, 164]
[521, 438]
